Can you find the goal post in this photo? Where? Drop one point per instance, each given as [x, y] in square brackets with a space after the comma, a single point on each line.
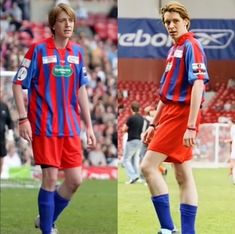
[212, 148]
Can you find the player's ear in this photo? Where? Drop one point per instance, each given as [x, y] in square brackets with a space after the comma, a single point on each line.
[186, 22]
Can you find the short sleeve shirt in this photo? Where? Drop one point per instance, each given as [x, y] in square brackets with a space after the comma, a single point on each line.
[53, 77]
[186, 62]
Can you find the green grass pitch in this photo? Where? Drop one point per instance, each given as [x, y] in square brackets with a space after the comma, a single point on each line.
[216, 213]
[93, 210]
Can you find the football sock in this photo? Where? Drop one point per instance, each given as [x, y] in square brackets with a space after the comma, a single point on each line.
[46, 210]
[188, 215]
[162, 208]
[60, 204]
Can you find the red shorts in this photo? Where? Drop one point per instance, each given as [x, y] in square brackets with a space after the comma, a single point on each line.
[168, 136]
[60, 152]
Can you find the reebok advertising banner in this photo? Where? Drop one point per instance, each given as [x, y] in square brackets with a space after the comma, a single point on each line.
[147, 38]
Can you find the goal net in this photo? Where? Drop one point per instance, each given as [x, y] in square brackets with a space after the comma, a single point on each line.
[212, 148]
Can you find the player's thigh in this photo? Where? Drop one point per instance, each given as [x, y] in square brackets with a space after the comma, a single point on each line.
[152, 159]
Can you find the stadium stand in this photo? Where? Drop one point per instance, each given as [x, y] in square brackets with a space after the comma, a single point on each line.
[219, 108]
[222, 104]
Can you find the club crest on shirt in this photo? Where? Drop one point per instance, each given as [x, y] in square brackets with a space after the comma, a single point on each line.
[49, 59]
[199, 68]
[73, 59]
[62, 71]
[22, 73]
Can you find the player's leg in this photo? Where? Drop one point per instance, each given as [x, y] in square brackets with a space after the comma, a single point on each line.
[71, 163]
[143, 151]
[46, 198]
[64, 193]
[188, 196]
[158, 188]
[47, 151]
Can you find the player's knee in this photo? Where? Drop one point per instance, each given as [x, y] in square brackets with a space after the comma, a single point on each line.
[145, 169]
[179, 178]
[49, 183]
[74, 184]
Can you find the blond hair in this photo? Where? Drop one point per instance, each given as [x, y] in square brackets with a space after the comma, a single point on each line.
[174, 6]
[56, 11]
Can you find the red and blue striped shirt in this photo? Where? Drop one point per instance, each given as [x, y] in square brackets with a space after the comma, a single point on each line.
[53, 78]
[186, 62]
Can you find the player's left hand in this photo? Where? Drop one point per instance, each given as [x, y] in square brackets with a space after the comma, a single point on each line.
[91, 139]
[189, 139]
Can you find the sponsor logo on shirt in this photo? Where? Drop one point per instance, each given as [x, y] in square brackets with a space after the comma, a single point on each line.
[49, 59]
[62, 71]
[178, 53]
[168, 66]
[26, 62]
[73, 59]
[22, 73]
[199, 68]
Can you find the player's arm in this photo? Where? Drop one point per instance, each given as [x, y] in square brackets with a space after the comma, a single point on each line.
[22, 80]
[84, 105]
[24, 125]
[150, 130]
[196, 100]
[158, 112]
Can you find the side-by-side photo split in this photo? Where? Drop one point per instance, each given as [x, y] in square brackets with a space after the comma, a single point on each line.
[117, 117]
[176, 112]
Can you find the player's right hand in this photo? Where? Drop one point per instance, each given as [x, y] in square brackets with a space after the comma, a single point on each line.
[148, 134]
[91, 139]
[25, 131]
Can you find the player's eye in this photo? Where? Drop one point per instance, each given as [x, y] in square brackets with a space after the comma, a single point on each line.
[64, 20]
[167, 22]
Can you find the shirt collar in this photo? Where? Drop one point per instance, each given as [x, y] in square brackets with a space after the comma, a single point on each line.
[184, 37]
[51, 44]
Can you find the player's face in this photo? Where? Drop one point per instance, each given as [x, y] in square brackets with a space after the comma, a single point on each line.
[64, 26]
[175, 25]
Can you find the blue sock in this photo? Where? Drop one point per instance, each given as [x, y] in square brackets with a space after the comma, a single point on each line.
[188, 215]
[60, 204]
[162, 208]
[46, 210]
